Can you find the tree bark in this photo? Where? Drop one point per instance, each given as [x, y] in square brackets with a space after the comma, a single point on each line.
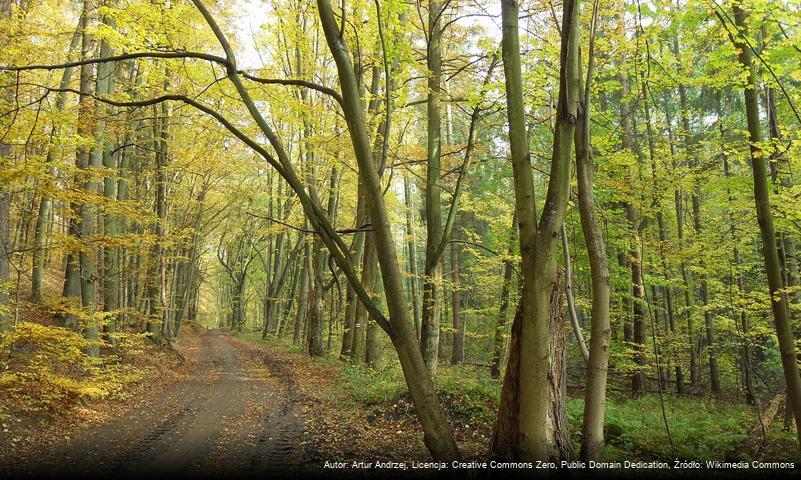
[457, 354]
[46, 202]
[500, 325]
[592, 427]
[432, 283]
[438, 436]
[88, 159]
[106, 83]
[767, 229]
[411, 253]
[633, 217]
[535, 439]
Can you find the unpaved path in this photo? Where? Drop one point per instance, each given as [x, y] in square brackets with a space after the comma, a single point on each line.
[233, 414]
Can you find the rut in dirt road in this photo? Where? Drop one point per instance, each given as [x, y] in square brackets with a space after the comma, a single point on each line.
[232, 415]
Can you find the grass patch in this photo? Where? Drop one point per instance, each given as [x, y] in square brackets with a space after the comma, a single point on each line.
[701, 428]
[465, 390]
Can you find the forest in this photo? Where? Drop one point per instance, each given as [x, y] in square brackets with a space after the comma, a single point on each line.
[289, 235]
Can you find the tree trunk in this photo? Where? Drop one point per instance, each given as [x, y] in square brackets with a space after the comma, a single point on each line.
[776, 285]
[438, 436]
[592, 427]
[88, 159]
[506, 432]
[457, 354]
[372, 352]
[6, 151]
[411, 252]
[369, 275]
[667, 292]
[316, 320]
[534, 440]
[46, 203]
[73, 275]
[633, 218]
[300, 314]
[106, 73]
[5, 254]
[714, 375]
[500, 326]
[432, 284]
[688, 294]
[571, 303]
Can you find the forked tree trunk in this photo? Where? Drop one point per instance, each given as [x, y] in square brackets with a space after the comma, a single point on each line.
[538, 240]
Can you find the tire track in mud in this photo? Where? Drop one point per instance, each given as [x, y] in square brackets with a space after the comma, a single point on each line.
[281, 430]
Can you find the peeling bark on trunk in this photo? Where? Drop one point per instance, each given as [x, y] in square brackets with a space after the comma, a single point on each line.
[504, 442]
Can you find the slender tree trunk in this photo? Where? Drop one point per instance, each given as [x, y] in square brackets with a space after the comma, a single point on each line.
[89, 159]
[633, 218]
[352, 304]
[162, 159]
[438, 435]
[678, 199]
[714, 375]
[74, 274]
[106, 73]
[432, 284]
[767, 229]
[5, 253]
[638, 307]
[571, 303]
[500, 326]
[369, 275]
[457, 354]
[372, 352]
[46, 202]
[316, 320]
[592, 427]
[411, 252]
[300, 314]
[6, 152]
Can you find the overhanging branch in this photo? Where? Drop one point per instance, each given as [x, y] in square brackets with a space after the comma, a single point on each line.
[174, 55]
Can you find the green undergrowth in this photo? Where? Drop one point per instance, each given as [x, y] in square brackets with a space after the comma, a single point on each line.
[465, 390]
[271, 341]
[700, 427]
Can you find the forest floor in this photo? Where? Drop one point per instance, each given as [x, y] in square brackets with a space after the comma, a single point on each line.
[226, 405]
[229, 409]
[218, 404]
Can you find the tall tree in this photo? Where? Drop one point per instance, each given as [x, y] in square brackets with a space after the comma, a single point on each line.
[781, 315]
[432, 284]
[535, 438]
[592, 427]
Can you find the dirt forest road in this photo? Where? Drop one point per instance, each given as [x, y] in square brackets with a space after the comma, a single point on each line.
[231, 415]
